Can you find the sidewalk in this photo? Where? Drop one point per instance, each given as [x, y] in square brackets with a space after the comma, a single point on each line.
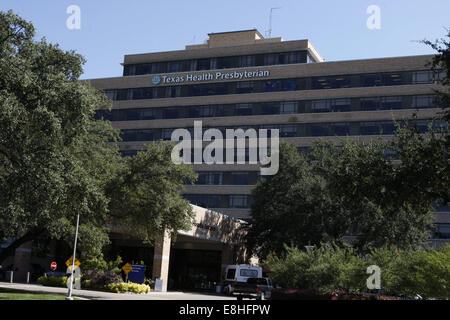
[100, 295]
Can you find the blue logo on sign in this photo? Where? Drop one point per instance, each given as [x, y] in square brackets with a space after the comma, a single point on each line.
[156, 80]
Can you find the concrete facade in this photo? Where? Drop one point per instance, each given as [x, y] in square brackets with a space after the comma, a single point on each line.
[251, 42]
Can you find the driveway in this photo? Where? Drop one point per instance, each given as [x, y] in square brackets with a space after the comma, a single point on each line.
[99, 295]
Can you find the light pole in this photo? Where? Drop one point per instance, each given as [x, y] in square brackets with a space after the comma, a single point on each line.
[69, 297]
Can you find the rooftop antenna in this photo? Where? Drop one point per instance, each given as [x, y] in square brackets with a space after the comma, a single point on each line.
[269, 33]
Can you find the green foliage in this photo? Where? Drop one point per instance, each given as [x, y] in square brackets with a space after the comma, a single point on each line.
[404, 272]
[100, 264]
[128, 287]
[145, 196]
[98, 279]
[327, 268]
[293, 206]
[55, 158]
[53, 281]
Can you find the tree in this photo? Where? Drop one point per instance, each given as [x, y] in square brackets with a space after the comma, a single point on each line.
[56, 160]
[46, 124]
[441, 65]
[293, 207]
[145, 196]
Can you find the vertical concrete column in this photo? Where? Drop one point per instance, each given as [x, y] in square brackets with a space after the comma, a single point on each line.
[227, 256]
[22, 259]
[161, 259]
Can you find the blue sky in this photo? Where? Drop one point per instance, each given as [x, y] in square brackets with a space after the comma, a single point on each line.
[111, 29]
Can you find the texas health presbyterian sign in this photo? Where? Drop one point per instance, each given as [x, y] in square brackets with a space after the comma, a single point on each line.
[210, 76]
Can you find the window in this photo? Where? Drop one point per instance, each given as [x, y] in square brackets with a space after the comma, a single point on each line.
[110, 94]
[422, 77]
[209, 178]
[320, 129]
[391, 103]
[340, 105]
[248, 273]
[291, 85]
[320, 106]
[238, 201]
[246, 61]
[441, 231]
[143, 69]
[208, 111]
[269, 108]
[245, 87]
[367, 104]
[231, 273]
[288, 130]
[225, 63]
[427, 101]
[340, 129]
[288, 107]
[243, 109]
[147, 114]
[203, 64]
[271, 85]
[170, 113]
[175, 66]
[239, 178]
[173, 92]
[166, 134]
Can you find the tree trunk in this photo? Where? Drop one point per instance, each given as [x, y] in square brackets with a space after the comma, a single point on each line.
[10, 250]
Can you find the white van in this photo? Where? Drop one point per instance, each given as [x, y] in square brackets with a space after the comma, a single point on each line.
[239, 273]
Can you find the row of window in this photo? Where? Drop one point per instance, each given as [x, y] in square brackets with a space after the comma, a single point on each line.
[291, 130]
[212, 201]
[441, 231]
[272, 108]
[227, 177]
[276, 85]
[257, 60]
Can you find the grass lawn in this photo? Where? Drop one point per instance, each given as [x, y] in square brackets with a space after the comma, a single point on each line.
[8, 294]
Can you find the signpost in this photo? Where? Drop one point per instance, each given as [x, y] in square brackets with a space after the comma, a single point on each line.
[53, 265]
[127, 268]
[69, 262]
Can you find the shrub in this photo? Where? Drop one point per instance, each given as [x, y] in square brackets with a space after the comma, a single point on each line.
[53, 281]
[98, 279]
[128, 287]
[326, 268]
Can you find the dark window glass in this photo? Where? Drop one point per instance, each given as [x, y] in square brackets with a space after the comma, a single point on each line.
[143, 69]
[239, 178]
[369, 128]
[225, 63]
[270, 108]
[203, 64]
[367, 104]
[245, 87]
[271, 85]
[243, 109]
[122, 94]
[291, 85]
[340, 105]
[320, 129]
[170, 113]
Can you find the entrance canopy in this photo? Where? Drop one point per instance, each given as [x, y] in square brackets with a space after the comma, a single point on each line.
[214, 226]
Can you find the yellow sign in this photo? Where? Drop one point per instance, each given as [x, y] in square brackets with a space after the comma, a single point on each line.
[127, 268]
[69, 262]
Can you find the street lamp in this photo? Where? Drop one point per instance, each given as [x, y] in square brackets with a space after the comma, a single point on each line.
[69, 296]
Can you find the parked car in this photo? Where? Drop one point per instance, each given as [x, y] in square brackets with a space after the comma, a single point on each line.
[239, 273]
[254, 288]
